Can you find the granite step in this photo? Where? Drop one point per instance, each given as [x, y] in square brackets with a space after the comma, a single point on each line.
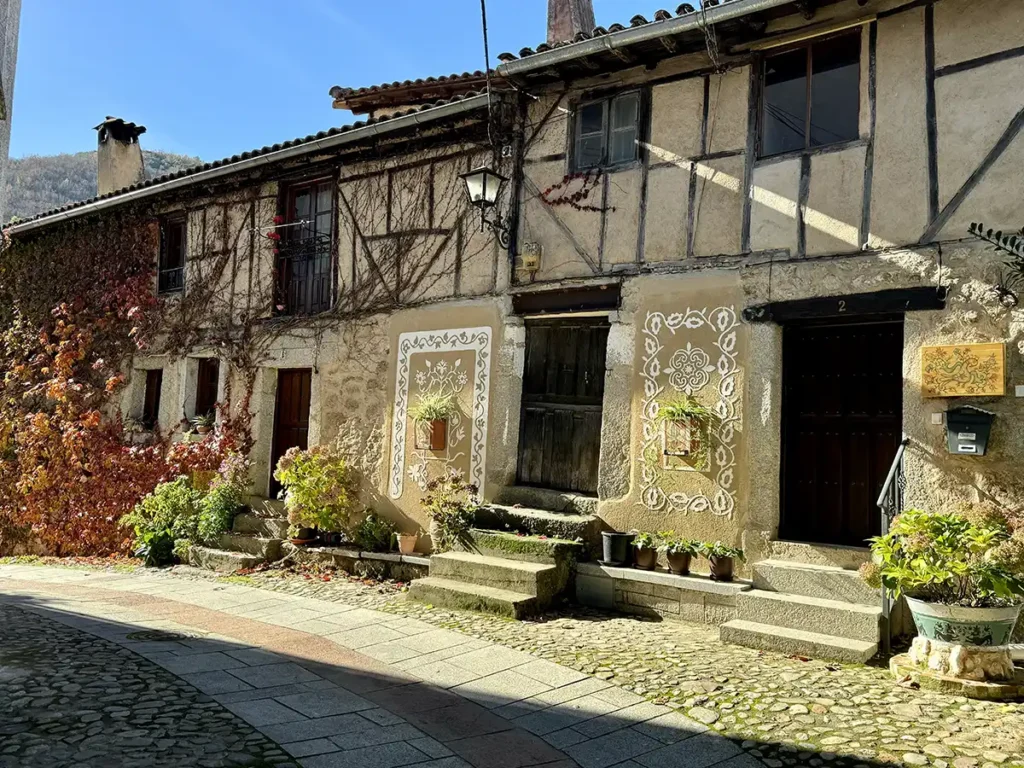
[539, 522]
[529, 549]
[820, 581]
[248, 544]
[221, 560]
[832, 617]
[473, 597]
[257, 525]
[539, 580]
[769, 637]
[547, 500]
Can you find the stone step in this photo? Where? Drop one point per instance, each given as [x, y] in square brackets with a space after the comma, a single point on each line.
[529, 549]
[539, 580]
[248, 544]
[221, 560]
[832, 617]
[539, 522]
[837, 556]
[822, 581]
[768, 637]
[256, 525]
[473, 597]
[1017, 651]
[547, 500]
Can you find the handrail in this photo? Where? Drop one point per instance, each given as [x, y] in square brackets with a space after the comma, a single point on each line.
[893, 470]
[890, 503]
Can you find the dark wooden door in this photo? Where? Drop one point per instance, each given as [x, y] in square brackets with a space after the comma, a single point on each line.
[291, 417]
[842, 411]
[563, 389]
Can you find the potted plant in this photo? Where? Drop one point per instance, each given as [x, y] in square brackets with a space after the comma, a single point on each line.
[301, 535]
[431, 414]
[721, 558]
[451, 504]
[616, 547]
[375, 533]
[685, 423]
[407, 543]
[645, 546]
[204, 423]
[962, 574]
[320, 490]
[678, 552]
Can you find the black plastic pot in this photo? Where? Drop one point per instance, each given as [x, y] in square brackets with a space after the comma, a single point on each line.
[721, 568]
[616, 547]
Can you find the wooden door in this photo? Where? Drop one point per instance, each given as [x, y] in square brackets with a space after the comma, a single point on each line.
[563, 389]
[291, 417]
[842, 412]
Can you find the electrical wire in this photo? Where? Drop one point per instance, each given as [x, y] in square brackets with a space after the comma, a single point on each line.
[487, 76]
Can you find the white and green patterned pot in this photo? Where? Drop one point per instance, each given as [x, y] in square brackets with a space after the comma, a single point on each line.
[964, 626]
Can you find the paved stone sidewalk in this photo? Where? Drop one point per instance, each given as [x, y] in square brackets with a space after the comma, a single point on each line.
[341, 685]
[783, 710]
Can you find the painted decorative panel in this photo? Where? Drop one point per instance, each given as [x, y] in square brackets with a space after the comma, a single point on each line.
[454, 363]
[692, 355]
[963, 370]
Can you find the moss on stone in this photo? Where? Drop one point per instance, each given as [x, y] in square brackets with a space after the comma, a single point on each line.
[526, 547]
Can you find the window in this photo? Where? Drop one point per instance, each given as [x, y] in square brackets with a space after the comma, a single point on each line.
[151, 404]
[811, 96]
[171, 272]
[305, 260]
[607, 132]
[207, 382]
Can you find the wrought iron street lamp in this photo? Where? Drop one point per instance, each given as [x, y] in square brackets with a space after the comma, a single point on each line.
[483, 186]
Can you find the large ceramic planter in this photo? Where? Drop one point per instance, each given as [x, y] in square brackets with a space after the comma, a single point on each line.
[615, 547]
[964, 626]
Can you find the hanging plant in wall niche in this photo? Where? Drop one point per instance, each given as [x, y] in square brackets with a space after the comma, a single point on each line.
[431, 414]
[686, 432]
[1011, 279]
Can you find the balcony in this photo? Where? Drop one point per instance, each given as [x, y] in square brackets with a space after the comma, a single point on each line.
[171, 280]
[305, 268]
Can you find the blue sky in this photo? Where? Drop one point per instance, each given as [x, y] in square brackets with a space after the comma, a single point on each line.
[216, 77]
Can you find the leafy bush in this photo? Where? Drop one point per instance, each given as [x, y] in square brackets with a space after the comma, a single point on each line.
[375, 533]
[717, 549]
[645, 541]
[433, 407]
[684, 408]
[320, 487]
[972, 559]
[171, 512]
[676, 545]
[450, 504]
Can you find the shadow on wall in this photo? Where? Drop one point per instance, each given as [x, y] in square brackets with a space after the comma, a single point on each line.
[329, 706]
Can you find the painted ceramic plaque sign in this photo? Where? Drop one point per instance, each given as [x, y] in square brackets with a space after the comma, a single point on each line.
[963, 370]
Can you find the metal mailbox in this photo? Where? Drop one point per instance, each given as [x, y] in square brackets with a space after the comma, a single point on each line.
[968, 429]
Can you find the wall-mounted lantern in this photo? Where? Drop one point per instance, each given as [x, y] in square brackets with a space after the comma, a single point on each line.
[483, 185]
[968, 429]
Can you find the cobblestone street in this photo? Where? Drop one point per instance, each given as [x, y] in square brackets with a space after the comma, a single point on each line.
[782, 711]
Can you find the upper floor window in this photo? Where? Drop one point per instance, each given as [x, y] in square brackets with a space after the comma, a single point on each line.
[810, 96]
[607, 132]
[305, 261]
[171, 269]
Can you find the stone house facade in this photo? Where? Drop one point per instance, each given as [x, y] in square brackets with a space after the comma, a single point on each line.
[761, 207]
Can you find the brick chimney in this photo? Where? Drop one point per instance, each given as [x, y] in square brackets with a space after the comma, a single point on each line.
[118, 155]
[567, 17]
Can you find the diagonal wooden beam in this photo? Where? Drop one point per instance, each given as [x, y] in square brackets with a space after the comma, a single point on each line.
[366, 249]
[533, 190]
[1011, 132]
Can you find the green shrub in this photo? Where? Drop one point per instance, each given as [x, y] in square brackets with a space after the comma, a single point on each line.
[375, 533]
[217, 511]
[169, 513]
[433, 407]
[676, 545]
[717, 549]
[320, 487]
[645, 541]
[958, 559]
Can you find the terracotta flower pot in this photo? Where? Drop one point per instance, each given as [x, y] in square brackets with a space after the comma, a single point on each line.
[721, 568]
[432, 435]
[679, 562]
[204, 430]
[646, 558]
[407, 543]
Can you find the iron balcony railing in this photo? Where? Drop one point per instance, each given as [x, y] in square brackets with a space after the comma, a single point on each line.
[171, 280]
[305, 275]
[890, 504]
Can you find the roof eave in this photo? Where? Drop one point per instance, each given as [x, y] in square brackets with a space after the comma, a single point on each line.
[627, 37]
[355, 135]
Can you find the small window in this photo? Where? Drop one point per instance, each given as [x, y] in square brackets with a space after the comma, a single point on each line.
[607, 132]
[207, 382]
[151, 405]
[811, 96]
[171, 272]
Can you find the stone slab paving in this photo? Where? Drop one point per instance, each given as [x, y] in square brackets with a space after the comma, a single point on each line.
[320, 678]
